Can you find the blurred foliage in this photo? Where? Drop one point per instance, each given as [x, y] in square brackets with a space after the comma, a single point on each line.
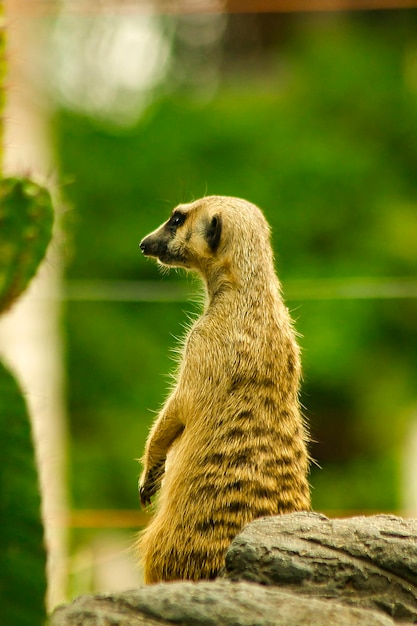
[22, 551]
[26, 218]
[326, 144]
[2, 79]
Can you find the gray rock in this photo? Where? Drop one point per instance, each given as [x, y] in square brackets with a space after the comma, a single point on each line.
[368, 562]
[313, 572]
[217, 603]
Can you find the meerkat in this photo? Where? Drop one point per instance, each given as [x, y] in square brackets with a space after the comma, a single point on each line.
[229, 444]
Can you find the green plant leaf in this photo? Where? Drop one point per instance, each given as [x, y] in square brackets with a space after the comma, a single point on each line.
[22, 551]
[26, 219]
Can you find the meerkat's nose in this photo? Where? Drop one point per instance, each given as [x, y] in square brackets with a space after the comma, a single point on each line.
[142, 245]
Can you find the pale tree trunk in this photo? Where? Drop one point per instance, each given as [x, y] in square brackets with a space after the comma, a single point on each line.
[409, 474]
[30, 336]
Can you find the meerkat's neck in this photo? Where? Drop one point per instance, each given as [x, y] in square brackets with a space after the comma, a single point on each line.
[246, 279]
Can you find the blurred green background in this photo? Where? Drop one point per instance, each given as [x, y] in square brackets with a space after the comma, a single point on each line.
[314, 119]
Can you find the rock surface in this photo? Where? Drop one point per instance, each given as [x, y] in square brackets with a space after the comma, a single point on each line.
[313, 572]
[217, 603]
[364, 561]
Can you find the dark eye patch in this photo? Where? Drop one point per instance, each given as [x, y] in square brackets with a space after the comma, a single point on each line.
[177, 219]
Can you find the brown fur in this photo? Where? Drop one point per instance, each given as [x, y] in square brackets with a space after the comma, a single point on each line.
[230, 436]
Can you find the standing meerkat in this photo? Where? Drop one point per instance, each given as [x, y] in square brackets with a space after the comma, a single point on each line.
[229, 445]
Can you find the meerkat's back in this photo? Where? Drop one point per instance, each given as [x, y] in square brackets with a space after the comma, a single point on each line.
[229, 444]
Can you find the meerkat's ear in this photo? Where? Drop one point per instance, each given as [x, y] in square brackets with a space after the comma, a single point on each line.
[213, 232]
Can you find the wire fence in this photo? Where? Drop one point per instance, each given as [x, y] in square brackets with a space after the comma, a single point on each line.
[133, 519]
[302, 289]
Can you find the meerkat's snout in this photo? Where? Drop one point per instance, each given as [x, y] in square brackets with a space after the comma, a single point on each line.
[147, 247]
[156, 244]
[164, 243]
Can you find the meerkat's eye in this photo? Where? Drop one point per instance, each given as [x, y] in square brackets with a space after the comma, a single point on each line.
[177, 219]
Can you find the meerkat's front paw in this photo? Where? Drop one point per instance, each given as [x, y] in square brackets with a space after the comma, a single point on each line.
[145, 494]
[149, 484]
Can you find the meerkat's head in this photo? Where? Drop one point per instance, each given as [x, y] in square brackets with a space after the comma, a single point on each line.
[210, 234]
[191, 234]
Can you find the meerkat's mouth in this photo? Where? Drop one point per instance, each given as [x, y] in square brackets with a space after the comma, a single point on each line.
[173, 260]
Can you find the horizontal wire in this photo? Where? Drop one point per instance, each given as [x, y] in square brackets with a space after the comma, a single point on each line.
[352, 289]
[114, 518]
[313, 289]
[109, 518]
